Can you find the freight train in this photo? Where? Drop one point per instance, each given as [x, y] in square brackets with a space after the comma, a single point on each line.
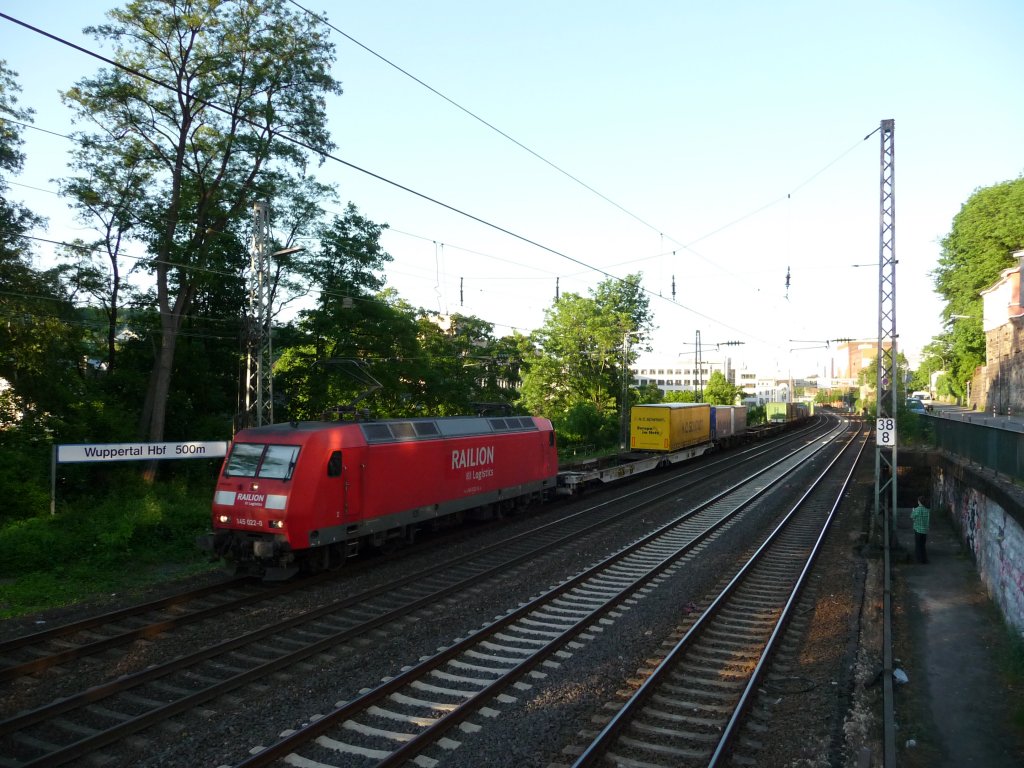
[309, 495]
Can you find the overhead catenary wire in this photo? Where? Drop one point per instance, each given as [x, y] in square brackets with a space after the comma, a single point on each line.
[687, 245]
[319, 151]
[331, 156]
[473, 115]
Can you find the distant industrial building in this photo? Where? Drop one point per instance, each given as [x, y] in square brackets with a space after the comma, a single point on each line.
[679, 374]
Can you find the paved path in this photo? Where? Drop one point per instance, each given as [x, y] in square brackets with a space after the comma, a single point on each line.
[955, 631]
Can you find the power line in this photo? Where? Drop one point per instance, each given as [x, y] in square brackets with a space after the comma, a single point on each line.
[467, 111]
[328, 155]
[475, 116]
[316, 150]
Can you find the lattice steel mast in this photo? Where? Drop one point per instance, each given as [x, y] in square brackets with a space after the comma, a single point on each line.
[887, 385]
[259, 389]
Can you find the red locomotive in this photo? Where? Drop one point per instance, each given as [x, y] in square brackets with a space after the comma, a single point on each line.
[311, 494]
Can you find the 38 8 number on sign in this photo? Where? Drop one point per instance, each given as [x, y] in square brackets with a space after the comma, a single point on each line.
[885, 431]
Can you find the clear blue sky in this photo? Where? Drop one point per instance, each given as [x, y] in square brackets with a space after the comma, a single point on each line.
[731, 133]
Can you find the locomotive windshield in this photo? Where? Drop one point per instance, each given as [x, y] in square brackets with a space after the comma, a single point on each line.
[274, 462]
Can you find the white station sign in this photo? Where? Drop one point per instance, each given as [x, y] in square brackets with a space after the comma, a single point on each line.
[192, 449]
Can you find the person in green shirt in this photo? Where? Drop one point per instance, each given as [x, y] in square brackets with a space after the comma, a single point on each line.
[921, 517]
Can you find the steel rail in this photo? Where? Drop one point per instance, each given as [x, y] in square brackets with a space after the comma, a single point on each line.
[592, 753]
[83, 746]
[417, 743]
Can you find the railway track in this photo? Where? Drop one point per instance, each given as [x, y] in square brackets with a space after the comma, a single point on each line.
[61, 645]
[75, 726]
[691, 708]
[36, 652]
[425, 710]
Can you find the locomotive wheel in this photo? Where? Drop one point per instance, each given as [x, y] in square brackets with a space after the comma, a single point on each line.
[389, 542]
[316, 560]
[336, 557]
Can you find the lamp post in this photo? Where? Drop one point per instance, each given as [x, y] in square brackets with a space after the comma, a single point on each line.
[949, 329]
[624, 406]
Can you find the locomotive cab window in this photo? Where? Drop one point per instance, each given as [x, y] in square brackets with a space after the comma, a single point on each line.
[278, 462]
[275, 462]
[244, 460]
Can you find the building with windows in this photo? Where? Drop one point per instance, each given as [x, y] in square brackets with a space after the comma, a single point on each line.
[681, 374]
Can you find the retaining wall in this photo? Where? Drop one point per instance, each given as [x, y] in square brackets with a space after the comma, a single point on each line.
[990, 517]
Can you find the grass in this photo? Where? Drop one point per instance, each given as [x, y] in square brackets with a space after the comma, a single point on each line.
[133, 537]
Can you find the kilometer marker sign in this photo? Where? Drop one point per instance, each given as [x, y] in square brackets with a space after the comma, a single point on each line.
[885, 432]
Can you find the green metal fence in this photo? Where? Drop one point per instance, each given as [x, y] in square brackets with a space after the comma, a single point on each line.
[998, 446]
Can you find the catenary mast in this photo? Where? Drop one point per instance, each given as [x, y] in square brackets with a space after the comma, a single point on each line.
[259, 393]
[887, 388]
[887, 378]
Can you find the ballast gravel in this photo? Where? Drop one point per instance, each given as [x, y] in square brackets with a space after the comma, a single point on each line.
[808, 725]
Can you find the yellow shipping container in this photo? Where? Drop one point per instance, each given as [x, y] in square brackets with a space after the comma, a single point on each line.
[669, 426]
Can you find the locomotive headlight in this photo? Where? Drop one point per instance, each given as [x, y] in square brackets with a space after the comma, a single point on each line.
[276, 523]
[223, 518]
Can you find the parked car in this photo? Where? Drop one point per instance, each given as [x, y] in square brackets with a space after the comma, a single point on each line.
[915, 405]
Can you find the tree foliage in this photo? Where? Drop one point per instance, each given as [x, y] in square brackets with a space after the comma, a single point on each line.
[41, 375]
[980, 244]
[719, 391]
[213, 103]
[681, 396]
[584, 350]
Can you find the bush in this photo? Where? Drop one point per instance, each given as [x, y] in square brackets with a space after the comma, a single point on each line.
[583, 424]
[97, 543]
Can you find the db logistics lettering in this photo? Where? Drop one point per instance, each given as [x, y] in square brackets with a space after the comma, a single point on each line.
[472, 457]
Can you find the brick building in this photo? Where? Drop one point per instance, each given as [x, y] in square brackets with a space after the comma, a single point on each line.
[852, 357]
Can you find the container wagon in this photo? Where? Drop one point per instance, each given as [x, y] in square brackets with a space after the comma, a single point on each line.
[669, 426]
[728, 424]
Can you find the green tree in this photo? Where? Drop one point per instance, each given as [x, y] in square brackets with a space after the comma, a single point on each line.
[39, 333]
[108, 197]
[719, 391]
[584, 349]
[242, 87]
[41, 356]
[649, 393]
[980, 244]
[681, 396]
[576, 361]
[868, 376]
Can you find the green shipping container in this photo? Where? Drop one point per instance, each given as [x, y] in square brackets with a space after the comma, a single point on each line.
[777, 412]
